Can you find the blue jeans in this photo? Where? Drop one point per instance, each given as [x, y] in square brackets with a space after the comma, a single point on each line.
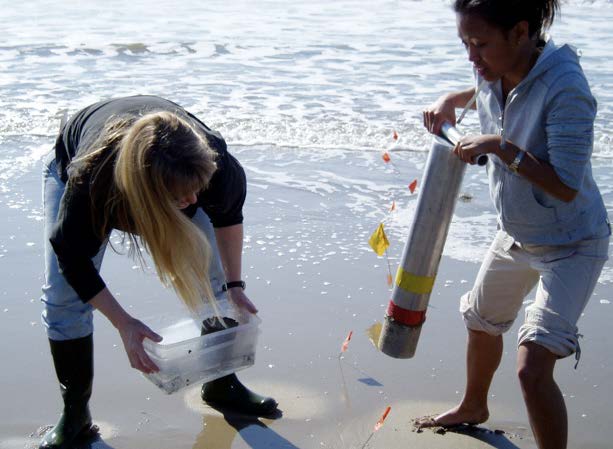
[65, 316]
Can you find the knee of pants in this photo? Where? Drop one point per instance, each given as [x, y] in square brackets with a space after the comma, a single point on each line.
[64, 315]
[550, 330]
[474, 321]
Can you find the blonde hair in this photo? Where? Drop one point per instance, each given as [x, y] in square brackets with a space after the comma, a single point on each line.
[143, 166]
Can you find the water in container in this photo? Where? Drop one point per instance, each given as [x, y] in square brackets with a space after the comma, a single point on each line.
[200, 352]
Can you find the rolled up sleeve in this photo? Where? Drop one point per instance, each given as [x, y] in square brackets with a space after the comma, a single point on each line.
[75, 244]
[570, 128]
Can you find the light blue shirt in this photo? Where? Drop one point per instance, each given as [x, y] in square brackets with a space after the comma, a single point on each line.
[550, 114]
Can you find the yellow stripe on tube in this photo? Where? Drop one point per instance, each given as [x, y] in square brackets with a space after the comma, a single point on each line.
[413, 283]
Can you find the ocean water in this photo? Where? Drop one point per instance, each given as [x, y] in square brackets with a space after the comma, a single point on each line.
[308, 94]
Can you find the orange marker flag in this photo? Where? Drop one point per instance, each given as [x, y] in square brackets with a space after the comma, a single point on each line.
[390, 280]
[413, 186]
[395, 135]
[378, 241]
[386, 157]
[380, 422]
[377, 426]
[393, 208]
[346, 342]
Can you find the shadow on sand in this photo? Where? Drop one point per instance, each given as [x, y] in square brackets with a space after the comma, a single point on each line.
[96, 443]
[220, 431]
[495, 438]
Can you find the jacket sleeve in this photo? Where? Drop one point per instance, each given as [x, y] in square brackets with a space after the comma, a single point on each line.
[75, 243]
[569, 125]
[223, 199]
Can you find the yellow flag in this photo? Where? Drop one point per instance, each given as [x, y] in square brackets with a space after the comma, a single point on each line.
[378, 241]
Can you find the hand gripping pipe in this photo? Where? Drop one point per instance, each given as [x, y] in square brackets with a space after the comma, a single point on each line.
[451, 134]
[406, 312]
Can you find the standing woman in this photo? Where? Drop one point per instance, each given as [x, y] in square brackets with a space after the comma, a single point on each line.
[145, 166]
[537, 115]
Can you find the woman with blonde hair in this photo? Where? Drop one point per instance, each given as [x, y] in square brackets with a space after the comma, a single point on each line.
[145, 166]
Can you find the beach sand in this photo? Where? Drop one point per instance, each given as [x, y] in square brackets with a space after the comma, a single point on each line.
[310, 271]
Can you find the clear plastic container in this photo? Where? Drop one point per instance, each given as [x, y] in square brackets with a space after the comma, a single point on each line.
[185, 357]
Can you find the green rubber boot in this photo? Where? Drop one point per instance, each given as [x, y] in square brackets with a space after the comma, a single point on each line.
[228, 392]
[74, 366]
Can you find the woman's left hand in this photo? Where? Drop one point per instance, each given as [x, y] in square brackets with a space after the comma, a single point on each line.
[238, 297]
[469, 147]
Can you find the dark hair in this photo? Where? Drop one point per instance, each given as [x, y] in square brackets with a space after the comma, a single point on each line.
[505, 14]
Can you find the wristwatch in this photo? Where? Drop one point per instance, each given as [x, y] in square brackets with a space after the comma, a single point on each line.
[229, 285]
[514, 166]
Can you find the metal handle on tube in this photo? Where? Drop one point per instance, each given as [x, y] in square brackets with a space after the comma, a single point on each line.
[452, 134]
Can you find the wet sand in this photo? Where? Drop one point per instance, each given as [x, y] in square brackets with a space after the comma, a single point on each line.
[309, 270]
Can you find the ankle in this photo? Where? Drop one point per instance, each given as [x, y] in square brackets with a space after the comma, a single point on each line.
[474, 407]
[474, 402]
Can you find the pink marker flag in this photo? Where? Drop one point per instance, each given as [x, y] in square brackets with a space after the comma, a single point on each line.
[346, 342]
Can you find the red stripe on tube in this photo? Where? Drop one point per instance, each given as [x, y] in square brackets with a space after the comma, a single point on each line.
[406, 316]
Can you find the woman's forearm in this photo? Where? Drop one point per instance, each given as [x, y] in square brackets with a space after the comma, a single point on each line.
[538, 172]
[230, 244]
[106, 303]
[460, 98]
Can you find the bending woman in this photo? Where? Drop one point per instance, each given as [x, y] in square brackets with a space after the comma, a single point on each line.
[145, 166]
[537, 116]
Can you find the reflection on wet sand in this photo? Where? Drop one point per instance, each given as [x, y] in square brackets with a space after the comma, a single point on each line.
[219, 432]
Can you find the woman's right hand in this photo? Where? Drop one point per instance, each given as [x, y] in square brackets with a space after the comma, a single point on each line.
[131, 330]
[132, 333]
[439, 112]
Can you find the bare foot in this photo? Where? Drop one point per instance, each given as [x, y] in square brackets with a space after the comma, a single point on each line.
[456, 416]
